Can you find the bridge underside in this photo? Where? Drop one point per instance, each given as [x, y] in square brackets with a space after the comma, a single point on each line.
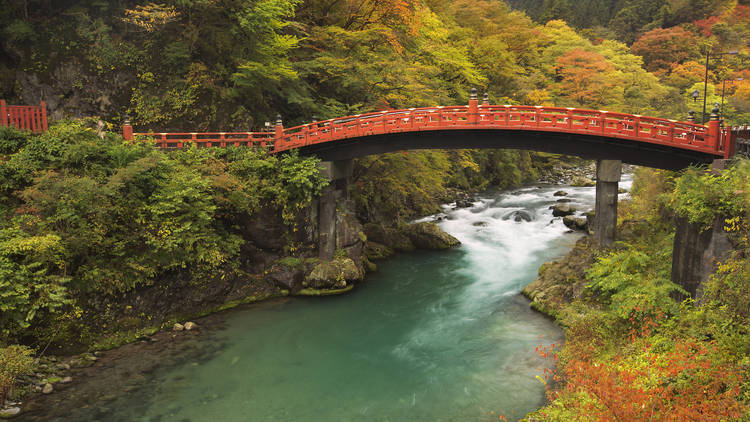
[585, 146]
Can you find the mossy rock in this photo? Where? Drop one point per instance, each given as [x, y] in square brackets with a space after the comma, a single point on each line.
[580, 181]
[334, 274]
[375, 250]
[429, 236]
[390, 237]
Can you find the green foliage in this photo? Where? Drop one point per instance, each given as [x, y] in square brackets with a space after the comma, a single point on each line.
[14, 361]
[100, 217]
[701, 196]
[636, 277]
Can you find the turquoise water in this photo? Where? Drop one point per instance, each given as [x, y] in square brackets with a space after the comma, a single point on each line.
[431, 336]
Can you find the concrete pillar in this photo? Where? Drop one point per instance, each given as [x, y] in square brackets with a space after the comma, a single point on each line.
[608, 174]
[339, 174]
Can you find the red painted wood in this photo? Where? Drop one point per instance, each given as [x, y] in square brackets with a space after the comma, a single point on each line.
[686, 135]
[32, 118]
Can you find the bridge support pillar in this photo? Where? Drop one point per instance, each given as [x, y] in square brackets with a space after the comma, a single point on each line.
[339, 174]
[608, 174]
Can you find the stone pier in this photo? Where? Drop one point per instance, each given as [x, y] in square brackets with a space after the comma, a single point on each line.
[608, 174]
[339, 174]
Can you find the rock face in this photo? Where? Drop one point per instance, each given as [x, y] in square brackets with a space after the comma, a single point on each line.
[375, 250]
[334, 274]
[560, 282]
[561, 210]
[390, 237]
[696, 252]
[429, 236]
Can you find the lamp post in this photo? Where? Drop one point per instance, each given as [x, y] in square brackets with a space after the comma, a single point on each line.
[705, 80]
[724, 85]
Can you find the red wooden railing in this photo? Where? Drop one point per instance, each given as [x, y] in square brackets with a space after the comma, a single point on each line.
[33, 118]
[709, 139]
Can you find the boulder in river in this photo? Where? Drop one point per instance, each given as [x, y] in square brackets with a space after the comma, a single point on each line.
[429, 236]
[178, 327]
[564, 200]
[560, 193]
[10, 412]
[581, 181]
[334, 274]
[561, 210]
[190, 325]
[47, 389]
[390, 237]
[518, 216]
[575, 223]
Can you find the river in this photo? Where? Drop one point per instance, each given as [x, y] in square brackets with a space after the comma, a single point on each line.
[430, 336]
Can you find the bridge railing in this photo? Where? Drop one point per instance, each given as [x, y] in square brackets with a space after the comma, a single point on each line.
[555, 119]
[684, 135]
[208, 139]
[32, 118]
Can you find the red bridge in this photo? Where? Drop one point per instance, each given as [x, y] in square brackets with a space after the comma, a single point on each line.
[596, 134]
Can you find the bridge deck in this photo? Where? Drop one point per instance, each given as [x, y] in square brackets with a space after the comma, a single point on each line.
[703, 142]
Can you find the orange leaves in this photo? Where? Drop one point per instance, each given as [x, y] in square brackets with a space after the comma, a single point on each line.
[584, 76]
[682, 384]
[663, 49]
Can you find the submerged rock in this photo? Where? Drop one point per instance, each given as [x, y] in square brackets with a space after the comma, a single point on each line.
[430, 236]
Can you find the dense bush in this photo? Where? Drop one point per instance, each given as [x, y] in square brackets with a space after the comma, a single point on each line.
[90, 215]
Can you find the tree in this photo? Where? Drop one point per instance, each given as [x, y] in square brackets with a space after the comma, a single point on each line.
[585, 77]
[664, 49]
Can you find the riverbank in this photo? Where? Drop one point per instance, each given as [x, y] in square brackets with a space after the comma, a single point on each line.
[471, 291]
[632, 351]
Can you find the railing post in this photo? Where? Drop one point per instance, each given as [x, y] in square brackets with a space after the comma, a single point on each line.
[43, 106]
[279, 128]
[473, 107]
[730, 144]
[4, 113]
[714, 128]
[127, 129]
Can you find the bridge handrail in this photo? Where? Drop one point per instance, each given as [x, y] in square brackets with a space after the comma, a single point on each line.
[685, 135]
[24, 117]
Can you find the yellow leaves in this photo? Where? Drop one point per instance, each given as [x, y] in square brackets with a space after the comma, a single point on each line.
[539, 97]
[151, 16]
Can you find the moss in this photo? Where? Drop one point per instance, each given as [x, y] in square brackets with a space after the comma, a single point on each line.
[324, 292]
[290, 261]
[374, 251]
